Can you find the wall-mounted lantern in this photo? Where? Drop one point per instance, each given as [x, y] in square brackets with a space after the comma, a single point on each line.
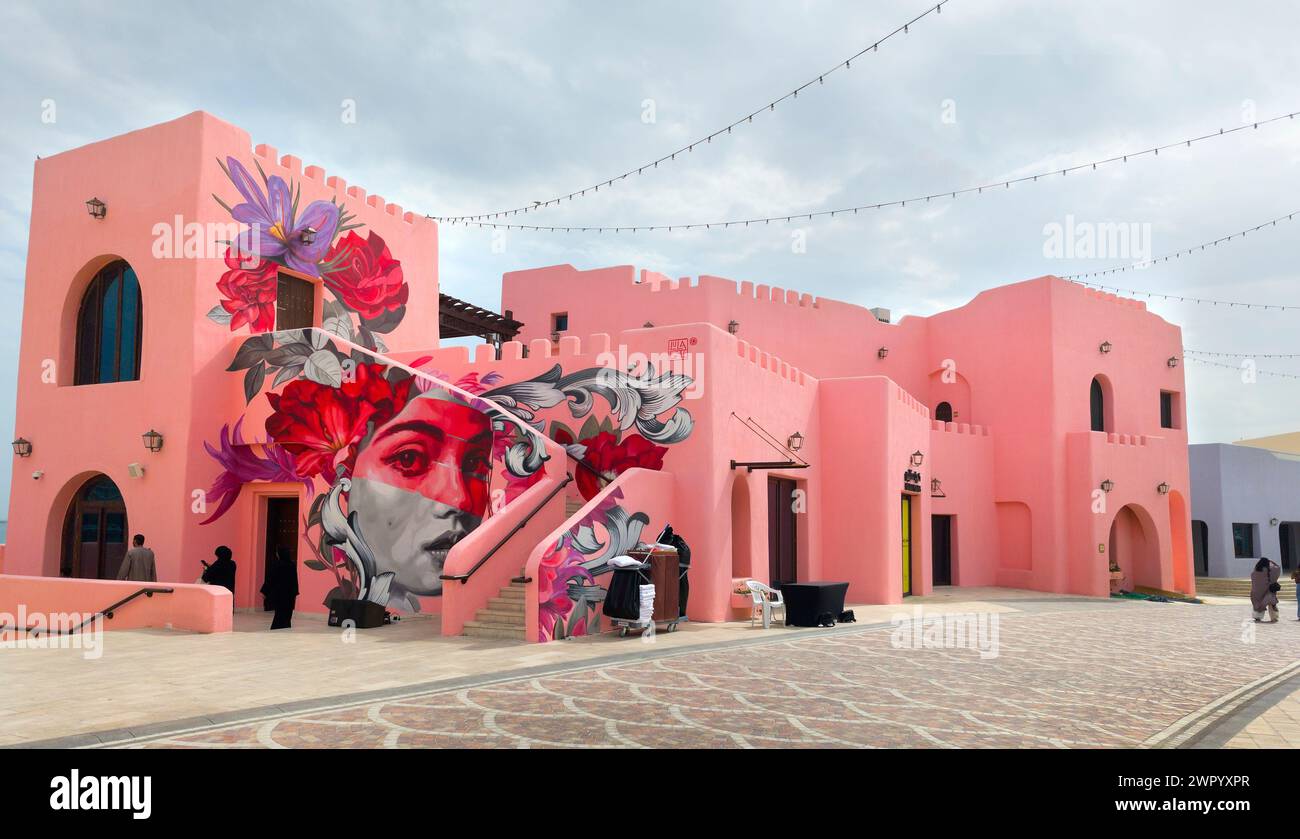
[795, 443]
[96, 208]
[936, 489]
[1162, 488]
[917, 458]
[1105, 347]
[23, 447]
[152, 440]
[1107, 485]
[1273, 522]
[1172, 362]
[733, 326]
[882, 353]
[308, 235]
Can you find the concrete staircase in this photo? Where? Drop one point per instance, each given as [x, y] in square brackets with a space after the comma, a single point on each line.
[503, 617]
[1226, 587]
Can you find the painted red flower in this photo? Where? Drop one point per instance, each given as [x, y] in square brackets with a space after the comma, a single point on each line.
[321, 426]
[250, 293]
[610, 458]
[364, 275]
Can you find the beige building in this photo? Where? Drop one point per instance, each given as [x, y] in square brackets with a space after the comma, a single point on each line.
[1287, 443]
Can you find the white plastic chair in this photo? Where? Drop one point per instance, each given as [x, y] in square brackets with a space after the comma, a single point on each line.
[766, 600]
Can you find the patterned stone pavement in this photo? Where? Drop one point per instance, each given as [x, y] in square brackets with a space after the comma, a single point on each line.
[1097, 674]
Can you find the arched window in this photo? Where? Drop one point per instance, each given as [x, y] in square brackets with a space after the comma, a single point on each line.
[109, 326]
[943, 412]
[1097, 400]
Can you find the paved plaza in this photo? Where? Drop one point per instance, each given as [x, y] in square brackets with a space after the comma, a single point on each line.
[1052, 672]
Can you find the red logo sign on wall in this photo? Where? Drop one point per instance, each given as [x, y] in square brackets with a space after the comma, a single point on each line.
[681, 346]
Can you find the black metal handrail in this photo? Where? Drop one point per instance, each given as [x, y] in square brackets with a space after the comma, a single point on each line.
[518, 527]
[106, 612]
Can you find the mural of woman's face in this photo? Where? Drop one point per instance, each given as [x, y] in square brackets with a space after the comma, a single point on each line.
[420, 485]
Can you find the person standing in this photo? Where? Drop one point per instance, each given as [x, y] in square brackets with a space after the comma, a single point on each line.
[221, 572]
[1264, 587]
[281, 587]
[138, 565]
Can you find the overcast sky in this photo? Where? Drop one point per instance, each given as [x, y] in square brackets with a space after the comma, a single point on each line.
[471, 107]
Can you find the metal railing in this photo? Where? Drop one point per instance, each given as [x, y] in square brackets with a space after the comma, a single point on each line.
[106, 612]
[518, 527]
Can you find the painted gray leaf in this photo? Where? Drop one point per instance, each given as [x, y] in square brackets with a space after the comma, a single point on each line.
[324, 368]
[340, 326]
[286, 374]
[219, 315]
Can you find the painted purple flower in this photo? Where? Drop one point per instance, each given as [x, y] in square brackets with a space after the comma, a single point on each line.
[241, 464]
[274, 231]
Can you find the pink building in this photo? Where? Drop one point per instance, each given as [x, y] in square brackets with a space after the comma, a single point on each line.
[279, 330]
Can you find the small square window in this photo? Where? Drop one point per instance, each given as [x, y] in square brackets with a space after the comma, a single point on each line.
[560, 322]
[1243, 540]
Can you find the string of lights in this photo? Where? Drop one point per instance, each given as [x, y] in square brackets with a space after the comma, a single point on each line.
[1153, 151]
[1240, 234]
[1240, 369]
[1186, 298]
[1243, 354]
[820, 79]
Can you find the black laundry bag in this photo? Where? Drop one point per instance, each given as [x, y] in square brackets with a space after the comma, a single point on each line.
[623, 601]
[683, 565]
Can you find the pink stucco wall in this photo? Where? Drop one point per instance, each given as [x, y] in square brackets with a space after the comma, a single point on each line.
[1018, 465]
[196, 608]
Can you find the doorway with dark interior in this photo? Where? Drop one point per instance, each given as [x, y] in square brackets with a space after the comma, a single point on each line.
[1200, 548]
[281, 532]
[1288, 534]
[782, 532]
[941, 549]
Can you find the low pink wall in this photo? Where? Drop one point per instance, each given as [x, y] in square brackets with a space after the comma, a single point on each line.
[196, 608]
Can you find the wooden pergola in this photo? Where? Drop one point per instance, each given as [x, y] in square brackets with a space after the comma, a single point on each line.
[458, 319]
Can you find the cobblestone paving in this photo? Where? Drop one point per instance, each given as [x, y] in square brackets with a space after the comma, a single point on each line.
[1110, 675]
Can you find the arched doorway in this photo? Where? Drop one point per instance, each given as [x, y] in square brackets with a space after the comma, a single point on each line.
[741, 526]
[943, 412]
[94, 531]
[1134, 547]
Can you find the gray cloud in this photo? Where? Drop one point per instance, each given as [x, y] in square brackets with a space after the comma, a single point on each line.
[467, 107]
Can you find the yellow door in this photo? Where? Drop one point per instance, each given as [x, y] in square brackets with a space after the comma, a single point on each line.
[907, 544]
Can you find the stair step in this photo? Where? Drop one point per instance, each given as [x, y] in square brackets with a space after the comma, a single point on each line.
[572, 505]
[513, 593]
[503, 604]
[487, 616]
[1228, 587]
[475, 629]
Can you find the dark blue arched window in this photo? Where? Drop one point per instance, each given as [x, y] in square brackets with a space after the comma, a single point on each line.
[109, 327]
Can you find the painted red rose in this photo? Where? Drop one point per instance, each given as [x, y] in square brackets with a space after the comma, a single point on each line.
[250, 293]
[610, 458]
[364, 276]
[321, 426]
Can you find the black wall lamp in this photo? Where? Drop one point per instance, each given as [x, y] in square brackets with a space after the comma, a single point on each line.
[1107, 485]
[308, 235]
[1105, 347]
[917, 458]
[936, 489]
[733, 326]
[23, 447]
[152, 440]
[795, 442]
[96, 208]
[1172, 362]
[1162, 488]
[882, 352]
